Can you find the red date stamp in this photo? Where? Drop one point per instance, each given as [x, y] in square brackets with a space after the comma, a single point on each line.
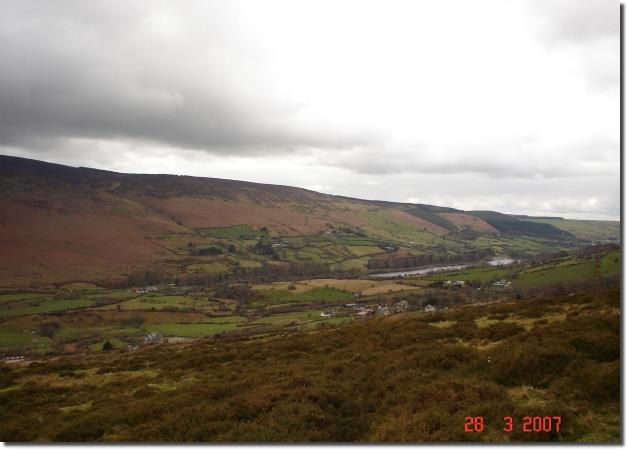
[527, 424]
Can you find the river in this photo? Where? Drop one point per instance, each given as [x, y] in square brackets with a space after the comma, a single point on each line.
[426, 270]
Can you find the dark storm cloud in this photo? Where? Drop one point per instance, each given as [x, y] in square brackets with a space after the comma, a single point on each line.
[394, 107]
[110, 70]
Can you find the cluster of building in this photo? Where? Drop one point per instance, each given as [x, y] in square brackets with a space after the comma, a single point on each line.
[454, 283]
[502, 284]
[279, 243]
[155, 337]
[364, 311]
[144, 290]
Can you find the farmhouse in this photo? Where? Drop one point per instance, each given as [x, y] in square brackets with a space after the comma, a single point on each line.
[176, 340]
[328, 314]
[366, 313]
[430, 309]
[144, 290]
[153, 338]
[401, 306]
[502, 284]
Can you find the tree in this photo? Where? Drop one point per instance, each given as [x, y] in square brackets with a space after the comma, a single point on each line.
[48, 329]
[107, 346]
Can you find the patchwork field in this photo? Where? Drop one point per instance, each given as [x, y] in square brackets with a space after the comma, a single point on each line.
[81, 317]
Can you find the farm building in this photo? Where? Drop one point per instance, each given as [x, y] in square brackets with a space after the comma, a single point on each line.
[366, 313]
[401, 306]
[176, 340]
[153, 338]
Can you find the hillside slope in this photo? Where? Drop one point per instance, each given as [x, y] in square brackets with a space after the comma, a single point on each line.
[412, 377]
[60, 223]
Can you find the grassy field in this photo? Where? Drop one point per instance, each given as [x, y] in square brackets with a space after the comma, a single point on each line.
[288, 318]
[191, 329]
[361, 250]
[47, 305]
[481, 274]
[354, 286]
[354, 263]
[16, 341]
[611, 263]
[554, 275]
[160, 302]
[10, 298]
[317, 295]
[233, 232]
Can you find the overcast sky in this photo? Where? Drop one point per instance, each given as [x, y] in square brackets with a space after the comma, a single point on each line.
[510, 105]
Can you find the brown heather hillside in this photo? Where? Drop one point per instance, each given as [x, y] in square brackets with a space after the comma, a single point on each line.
[60, 223]
[411, 377]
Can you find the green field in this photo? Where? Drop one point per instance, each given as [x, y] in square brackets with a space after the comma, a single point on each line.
[481, 274]
[44, 306]
[554, 275]
[191, 329]
[16, 341]
[160, 302]
[611, 263]
[361, 250]
[10, 298]
[232, 232]
[354, 263]
[288, 318]
[280, 296]
[226, 319]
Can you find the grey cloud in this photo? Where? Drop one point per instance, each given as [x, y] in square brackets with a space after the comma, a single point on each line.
[523, 158]
[578, 21]
[84, 70]
[589, 27]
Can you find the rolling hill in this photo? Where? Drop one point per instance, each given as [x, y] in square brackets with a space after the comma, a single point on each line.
[61, 224]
